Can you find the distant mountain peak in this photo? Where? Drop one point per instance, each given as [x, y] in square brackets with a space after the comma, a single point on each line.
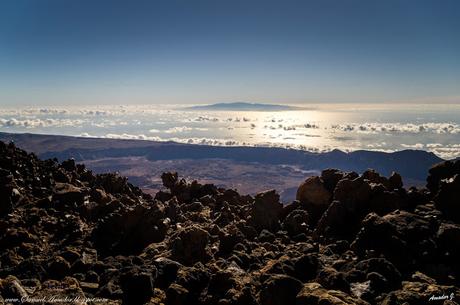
[244, 106]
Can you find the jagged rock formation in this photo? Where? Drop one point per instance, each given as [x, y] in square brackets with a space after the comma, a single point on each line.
[349, 239]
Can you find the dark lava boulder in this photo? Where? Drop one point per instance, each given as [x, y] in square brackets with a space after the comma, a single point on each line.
[448, 198]
[383, 201]
[58, 268]
[330, 278]
[315, 294]
[315, 196]
[353, 193]
[383, 267]
[266, 211]
[279, 289]
[395, 181]
[355, 197]
[403, 238]
[130, 231]
[176, 295]
[330, 177]
[137, 286]
[229, 239]
[306, 266]
[296, 222]
[195, 279]
[335, 222]
[441, 171]
[115, 184]
[448, 240]
[191, 246]
[67, 195]
[343, 216]
[183, 191]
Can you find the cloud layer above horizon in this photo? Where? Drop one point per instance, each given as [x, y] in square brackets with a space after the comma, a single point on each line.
[319, 129]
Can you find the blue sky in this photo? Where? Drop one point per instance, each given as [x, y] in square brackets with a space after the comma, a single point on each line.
[90, 52]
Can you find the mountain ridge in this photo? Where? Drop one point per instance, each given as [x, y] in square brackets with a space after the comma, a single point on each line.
[245, 106]
[69, 148]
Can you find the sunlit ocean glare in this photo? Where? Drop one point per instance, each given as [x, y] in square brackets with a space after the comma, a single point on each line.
[318, 128]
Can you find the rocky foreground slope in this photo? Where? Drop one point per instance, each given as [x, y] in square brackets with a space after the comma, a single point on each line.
[67, 235]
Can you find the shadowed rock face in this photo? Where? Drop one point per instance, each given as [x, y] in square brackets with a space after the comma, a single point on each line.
[349, 239]
[314, 194]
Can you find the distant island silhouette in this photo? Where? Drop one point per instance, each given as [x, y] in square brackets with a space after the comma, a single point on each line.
[245, 106]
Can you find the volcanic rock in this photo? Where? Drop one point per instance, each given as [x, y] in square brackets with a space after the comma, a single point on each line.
[395, 181]
[382, 267]
[315, 196]
[422, 293]
[330, 177]
[68, 195]
[353, 193]
[279, 289]
[69, 233]
[58, 268]
[130, 231]
[11, 288]
[448, 237]
[402, 237]
[315, 294]
[447, 198]
[296, 222]
[306, 266]
[137, 286]
[176, 295]
[266, 211]
[441, 171]
[191, 246]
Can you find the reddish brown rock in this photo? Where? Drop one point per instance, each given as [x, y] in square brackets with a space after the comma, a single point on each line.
[315, 294]
[314, 196]
[266, 211]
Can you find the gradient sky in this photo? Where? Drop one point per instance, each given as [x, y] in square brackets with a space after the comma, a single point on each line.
[194, 51]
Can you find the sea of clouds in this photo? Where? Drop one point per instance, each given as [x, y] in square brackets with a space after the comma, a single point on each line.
[316, 130]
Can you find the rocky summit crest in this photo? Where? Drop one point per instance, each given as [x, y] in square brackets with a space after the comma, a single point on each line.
[68, 234]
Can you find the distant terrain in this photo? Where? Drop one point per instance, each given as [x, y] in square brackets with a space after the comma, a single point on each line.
[245, 106]
[249, 169]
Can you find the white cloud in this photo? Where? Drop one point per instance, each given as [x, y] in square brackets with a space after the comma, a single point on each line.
[131, 137]
[293, 126]
[34, 123]
[95, 112]
[370, 128]
[434, 145]
[178, 129]
[377, 145]
[53, 111]
[449, 151]
[205, 119]
[413, 146]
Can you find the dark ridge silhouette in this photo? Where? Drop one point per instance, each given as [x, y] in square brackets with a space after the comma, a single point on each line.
[412, 164]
